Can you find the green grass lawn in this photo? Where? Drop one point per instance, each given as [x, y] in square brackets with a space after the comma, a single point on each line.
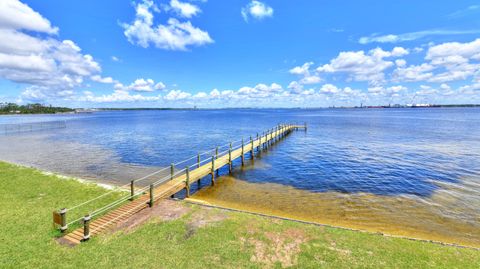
[199, 238]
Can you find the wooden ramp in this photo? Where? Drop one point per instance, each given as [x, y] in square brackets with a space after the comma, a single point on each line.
[147, 198]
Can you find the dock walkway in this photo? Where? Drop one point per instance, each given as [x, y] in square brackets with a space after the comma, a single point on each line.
[101, 219]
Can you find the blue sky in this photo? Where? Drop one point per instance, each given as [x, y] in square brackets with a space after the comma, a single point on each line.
[180, 53]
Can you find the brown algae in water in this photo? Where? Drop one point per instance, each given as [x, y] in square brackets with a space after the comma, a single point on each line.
[403, 215]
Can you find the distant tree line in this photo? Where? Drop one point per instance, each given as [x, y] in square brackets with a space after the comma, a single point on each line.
[12, 108]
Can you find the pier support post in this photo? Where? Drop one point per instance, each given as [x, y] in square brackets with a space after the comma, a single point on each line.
[270, 138]
[132, 190]
[230, 158]
[86, 227]
[213, 171]
[251, 151]
[63, 220]
[265, 140]
[150, 203]
[216, 157]
[243, 157]
[172, 171]
[187, 182]
[260, 143]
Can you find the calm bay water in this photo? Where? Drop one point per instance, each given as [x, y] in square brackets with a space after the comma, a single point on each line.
[409, 172]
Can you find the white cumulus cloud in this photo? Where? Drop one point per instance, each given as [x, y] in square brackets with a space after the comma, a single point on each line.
[141, 85]
[100, 79]
[451, 61]
[184, 9]
[174, 35]
[19, 16]
[361, 66]
[257, 10]
[301, 70]
[50, 67]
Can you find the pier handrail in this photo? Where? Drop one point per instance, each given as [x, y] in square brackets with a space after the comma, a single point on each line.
[150, 175]
[231, 146]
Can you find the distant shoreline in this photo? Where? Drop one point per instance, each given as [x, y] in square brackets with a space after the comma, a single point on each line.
[94, 110]
[248, 108]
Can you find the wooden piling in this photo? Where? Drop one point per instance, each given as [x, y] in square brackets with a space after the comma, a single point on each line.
[86, 227]
[150, 202]
[132, 190]
[216, 157]
[213, 171]
[187, 182]
[260, 143]
[251, 151]
[264, 143]
[63, 220]
[230, 158]
[243, 154]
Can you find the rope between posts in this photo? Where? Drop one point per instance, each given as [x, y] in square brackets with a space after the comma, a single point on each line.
[117, 202]
[114, 190]
[138, 193]
[73, 221]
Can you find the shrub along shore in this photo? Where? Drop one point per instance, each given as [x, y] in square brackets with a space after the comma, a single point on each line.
[176, 234]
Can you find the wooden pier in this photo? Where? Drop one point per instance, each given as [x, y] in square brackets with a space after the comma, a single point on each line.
[121, 210]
